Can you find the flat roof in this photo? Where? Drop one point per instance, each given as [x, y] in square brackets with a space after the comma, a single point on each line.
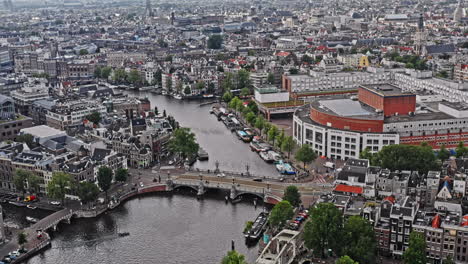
[345, 107]
[386, 89]
[42, 131]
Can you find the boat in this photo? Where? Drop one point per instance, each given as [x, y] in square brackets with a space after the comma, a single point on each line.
[259, 146]
[266, 156]
[285, 168]
[258, 226]
[202, 154]
[177, 96]
[241, 134]
[164, 92]
[17, 204]
[275, 156]
[31, 206]
[124, 234]
[32, 219]
[208, 96]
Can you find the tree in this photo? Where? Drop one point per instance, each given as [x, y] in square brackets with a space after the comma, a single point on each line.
[57, 187]
[19, 179]
[443, 154]
[104, 178]
[305, 154]
[26, 138]
[248, 226]
[84, 52]
[227, 97]
[33, 183]
[461, 150]
[324, 230]
[233, 257]
[119, 76]
[187, 90]
[368, 155]
[250, 117]
[106, 72]
[272, 133]
[346, 260]
[359, 240]
[245, 92]
[260, 123]
[280, 138]
[215, 42]
[243, 79]
[271, 78]
[87, 192]
[134, 77]
[211, 88]
[288, 145]
[234, 102]
[292, 195]
[407, 157]
[22, 239]
[183, 142]
[253, 106]
[280, 214]
[94, 117]
[97, 72]
[121, 175]
[416, 251]
[200, 85]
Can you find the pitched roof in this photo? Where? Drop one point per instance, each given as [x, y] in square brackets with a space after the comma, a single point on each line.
[443, 48]
[348, 189]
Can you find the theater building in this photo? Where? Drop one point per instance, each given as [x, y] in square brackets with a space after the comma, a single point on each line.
[340, 127]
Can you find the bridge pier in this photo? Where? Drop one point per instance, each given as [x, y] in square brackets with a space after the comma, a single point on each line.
[201, 189]
[233, 192]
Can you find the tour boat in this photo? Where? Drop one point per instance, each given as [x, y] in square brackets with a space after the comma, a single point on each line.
[285, 168]
[266, 156]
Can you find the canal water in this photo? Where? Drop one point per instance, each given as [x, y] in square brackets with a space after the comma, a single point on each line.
[212, 135]
[166, 229]
[169, 229]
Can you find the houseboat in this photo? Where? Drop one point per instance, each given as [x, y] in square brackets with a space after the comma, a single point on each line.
[258, 227]
[285, 168]
[266, 156]
[241, 134]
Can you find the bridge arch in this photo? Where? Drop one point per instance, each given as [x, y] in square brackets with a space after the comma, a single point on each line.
[257, 195]
[195, 188]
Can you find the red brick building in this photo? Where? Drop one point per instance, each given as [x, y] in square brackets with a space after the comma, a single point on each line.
[387, 98]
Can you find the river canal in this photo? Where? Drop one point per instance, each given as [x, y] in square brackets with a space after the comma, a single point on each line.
[166, 229]
[213, 136]
[169, 229]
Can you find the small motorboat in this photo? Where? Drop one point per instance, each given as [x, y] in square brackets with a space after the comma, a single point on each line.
[178, 96]
[124, 234]
[31, 206]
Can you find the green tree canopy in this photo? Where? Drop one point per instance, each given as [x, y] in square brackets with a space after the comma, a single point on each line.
[272, 134]
[243, 79]
[200, 85]
[443, 154]
[280, 214]
[280, 138]
[260, 123]
[292, 195]
[227, 97]
[271, 78]
[121, 175]
[215, 41]
[359, 240]
[57, 187]
[461, 150]
[87, 192]
[233, 257]
[245, 92]
[288, 145]
[106, 72]
[22, 239]
[305, 154]
[19, 179]
[183, 143]
[293, 71]
[119, 76]
[104, 178]
[324, 230]
[250, 117]
[346, 260]
[134, 77]
[94, 117]
[83, 51]
[26, 138]
[416, 251]
[187, 90]
[407, 157]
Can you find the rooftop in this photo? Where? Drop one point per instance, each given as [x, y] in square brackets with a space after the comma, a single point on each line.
[386, 90]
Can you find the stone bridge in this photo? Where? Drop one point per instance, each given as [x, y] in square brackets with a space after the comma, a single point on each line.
[53, 220]
[236, 188]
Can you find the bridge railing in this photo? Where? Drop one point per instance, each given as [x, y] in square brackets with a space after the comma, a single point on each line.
[233, 173]
[222, 185]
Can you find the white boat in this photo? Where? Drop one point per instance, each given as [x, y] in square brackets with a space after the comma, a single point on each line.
[31, 207]
[265, 156]
[178, 96]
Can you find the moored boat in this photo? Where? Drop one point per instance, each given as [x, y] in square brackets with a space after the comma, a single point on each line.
[258, 226]
[266, 156]
[32, 219]
[31, 206]
[285, 168]
[202, 154]
[17, 204]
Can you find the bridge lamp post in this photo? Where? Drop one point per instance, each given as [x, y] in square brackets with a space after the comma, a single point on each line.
[247, 167]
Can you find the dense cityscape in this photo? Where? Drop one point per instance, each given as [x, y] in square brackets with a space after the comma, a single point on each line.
[233, 132]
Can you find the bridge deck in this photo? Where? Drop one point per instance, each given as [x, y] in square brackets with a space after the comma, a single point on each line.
[51, 220]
